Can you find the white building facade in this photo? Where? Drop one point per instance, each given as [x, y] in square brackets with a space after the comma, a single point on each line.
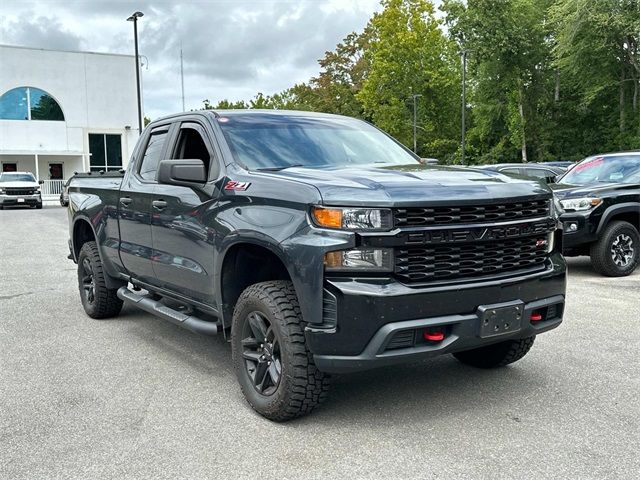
[65, 112]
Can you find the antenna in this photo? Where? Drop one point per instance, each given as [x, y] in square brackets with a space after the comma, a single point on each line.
[182, 76]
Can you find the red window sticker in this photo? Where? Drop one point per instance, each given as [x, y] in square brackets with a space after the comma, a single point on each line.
[591, 163]
[237, 186]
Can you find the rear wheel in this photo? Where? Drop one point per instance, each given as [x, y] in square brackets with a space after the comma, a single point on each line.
[98, 300]
[273, 365]
[617, 251]
[497, 355]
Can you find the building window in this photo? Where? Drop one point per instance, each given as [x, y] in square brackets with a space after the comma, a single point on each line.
[28, 103]
[106, 152]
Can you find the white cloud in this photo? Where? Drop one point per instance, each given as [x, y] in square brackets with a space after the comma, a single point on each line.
[232, 49]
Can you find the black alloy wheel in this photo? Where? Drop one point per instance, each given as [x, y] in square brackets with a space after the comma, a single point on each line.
[98, 300]
[88, 285]
[261, 353]
[271, 359]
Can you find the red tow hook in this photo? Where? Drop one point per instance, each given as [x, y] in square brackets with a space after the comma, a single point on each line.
[536, 316]
[433, 335]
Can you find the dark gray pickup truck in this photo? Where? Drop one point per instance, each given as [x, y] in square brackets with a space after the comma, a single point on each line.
[316, 244]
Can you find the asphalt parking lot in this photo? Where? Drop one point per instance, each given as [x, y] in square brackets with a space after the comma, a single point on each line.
[136, 397]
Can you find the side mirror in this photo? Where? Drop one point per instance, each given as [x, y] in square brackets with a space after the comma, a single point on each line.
[188, 173]
[41, 182]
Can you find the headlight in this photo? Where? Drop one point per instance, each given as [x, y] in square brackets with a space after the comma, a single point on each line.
[360, 259]
[352, 218]
[580, 204]
[1, 190]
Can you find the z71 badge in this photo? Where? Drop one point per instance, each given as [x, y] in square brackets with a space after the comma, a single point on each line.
[237, 186]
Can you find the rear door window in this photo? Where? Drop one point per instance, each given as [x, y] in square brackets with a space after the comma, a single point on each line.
[153, 154]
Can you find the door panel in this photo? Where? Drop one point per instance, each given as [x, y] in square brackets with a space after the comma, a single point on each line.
[134, 208]
[183, 239]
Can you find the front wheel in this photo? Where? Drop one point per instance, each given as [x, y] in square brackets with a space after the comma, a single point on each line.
[273, 365]
[617, 251]
[496, 355]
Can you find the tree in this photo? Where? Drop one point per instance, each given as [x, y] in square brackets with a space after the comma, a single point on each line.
[409, 54]
[597, 51]
[509, 62]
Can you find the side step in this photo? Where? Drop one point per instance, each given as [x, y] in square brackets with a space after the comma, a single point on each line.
[159, 309]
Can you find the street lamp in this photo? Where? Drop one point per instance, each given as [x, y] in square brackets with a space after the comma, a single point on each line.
[134, 18]
[415, 121]
[464, 100]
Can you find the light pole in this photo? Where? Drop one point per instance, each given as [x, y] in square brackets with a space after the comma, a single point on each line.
[464, 101]
[415, 121]
[134, 18]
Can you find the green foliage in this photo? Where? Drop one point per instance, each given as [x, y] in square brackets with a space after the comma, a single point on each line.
[546, 79]
[409, 54]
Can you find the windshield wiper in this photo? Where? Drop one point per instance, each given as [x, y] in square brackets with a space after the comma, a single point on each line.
[277, 169]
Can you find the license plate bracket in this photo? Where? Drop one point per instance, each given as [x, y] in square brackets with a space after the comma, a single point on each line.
[21, 200]
[500, 319]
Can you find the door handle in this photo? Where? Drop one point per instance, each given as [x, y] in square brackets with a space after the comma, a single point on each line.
[159, 204]
[125, 201]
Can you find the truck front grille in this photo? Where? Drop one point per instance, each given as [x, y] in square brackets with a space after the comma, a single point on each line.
[19, 191]
[429, 263]
[469, 214]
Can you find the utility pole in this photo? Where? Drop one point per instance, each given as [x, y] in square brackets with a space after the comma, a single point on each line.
[415, 121]
[464, 102]
[182, 77]
[134, 18]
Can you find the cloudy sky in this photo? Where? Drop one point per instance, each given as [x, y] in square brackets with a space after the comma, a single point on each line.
[232, 48]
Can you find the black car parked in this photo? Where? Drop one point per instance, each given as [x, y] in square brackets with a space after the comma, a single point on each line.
[316, 244]
[601, 201]
[538, 171]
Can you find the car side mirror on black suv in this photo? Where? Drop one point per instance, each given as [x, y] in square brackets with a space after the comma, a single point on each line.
[188, 173]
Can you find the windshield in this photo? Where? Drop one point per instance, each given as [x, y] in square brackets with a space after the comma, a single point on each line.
[268, 141]
[16, 177]
[608, 169]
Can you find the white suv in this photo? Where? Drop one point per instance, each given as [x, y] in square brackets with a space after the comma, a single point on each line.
[19, 188]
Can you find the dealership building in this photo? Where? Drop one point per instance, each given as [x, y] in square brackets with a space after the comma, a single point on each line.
[64, 112]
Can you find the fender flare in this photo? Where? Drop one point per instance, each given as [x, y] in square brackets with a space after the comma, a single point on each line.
[633, 207]
[264, 242]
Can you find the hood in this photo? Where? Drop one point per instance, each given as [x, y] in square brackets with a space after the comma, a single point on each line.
[412, 185]
[562, 190]
[19, 184]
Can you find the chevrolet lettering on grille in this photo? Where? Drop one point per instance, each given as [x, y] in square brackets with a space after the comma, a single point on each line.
[465, 235]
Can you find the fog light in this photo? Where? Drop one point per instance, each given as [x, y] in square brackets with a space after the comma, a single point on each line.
[571, 227]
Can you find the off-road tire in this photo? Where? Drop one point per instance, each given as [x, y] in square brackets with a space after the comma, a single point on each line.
[601, 251]
[496, 355]
[301, 387]
[105, 302]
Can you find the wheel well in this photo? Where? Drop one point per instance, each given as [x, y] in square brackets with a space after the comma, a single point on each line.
[632, 217]
[82, 233]
[245, 265]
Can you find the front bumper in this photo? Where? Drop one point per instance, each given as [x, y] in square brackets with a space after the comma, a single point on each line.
[578, 229]
[371, 314]
[10, 200]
